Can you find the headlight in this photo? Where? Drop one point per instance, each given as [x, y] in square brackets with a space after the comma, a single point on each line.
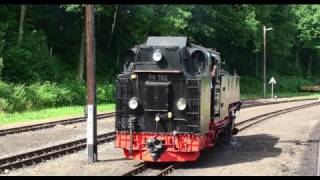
[182, 104]
[157, 55]
[133, 103]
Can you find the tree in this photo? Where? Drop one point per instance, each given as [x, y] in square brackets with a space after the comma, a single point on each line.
[22, 19]
[79, 9]
[308, 27]
[235, 30]
[113, 25]
[2, 43]
[82, 55]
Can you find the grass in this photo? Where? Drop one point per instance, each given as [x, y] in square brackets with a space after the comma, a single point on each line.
[49, 114]
[281, 95]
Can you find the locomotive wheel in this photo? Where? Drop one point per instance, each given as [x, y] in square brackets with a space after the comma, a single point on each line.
[230, 130]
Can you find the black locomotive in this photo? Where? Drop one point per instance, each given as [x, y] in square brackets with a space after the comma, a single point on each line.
[167, 108]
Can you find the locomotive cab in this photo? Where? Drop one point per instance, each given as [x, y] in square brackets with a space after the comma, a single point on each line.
[163, 100]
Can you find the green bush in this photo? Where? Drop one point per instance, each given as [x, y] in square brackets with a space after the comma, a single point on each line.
[45, 95]
[106, 93]
[291, 83]
[17, 97]
[14, 98]
[71, 92]
[250, 85]
[285, 84]
[4, 94]
[4, 105]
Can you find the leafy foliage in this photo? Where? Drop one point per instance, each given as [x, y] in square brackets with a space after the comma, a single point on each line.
[285, 84]
[309, 26]
[19, 97]
[45, 65]
[31, 61]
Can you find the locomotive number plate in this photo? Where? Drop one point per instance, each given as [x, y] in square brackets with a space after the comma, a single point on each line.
[158, 77]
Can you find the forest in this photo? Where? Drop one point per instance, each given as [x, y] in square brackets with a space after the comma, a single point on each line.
[42, 47]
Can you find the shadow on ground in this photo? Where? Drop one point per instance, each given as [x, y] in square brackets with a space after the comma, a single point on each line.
[309, 162]
[239, 150]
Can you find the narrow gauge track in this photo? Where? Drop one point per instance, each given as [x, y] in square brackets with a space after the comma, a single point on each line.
[37, 156]
[3, 132]
[143, 167]
[255, 120]
[16, 130]
[241, 126]
[254, 103]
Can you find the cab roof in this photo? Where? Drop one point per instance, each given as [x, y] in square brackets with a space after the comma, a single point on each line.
[180, 41]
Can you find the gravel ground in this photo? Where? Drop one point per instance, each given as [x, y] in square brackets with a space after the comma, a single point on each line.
[111, 159]
[278, 146]
[255, 111]
[12, 144]
[111, 162]
[27, 141]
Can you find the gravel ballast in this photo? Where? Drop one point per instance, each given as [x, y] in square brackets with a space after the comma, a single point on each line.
[27, 141]
[280, 146]
[263, 143]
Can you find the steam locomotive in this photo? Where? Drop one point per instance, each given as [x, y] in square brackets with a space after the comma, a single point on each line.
[167, 108]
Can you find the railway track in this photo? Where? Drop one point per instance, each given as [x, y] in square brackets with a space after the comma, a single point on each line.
[3, 132]
[141, 168]
[254, 103]
[41, 155]
[255, 120]
[46, 125]
[37, 156]
[165, 169]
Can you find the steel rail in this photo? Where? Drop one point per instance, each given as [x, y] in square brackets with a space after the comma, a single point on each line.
[167, 170]
[257, 119]
[139, 169]
[46, 125]
[37, 156]
[142, 167]
[247, 104]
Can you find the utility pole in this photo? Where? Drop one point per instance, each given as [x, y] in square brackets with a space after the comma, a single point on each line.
[265, 59]
[91, 85]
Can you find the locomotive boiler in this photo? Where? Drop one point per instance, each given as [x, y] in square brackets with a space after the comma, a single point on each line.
[167, 107]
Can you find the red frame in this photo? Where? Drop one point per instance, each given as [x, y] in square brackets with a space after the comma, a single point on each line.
[180, 148]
